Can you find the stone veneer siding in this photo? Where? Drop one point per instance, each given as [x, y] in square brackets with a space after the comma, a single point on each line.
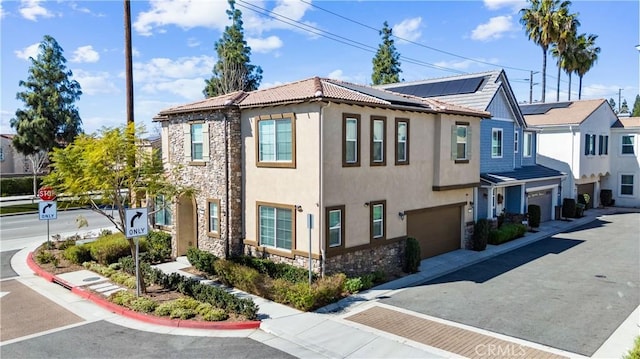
[209, 180]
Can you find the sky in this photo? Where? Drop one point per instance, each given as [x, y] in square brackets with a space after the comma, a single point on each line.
[291, 40]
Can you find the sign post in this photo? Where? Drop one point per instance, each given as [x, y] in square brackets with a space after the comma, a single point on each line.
[136, 225]
[310, 227]
[47, 207]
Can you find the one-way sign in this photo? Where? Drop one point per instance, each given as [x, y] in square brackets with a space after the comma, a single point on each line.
[137, 224]
[47, 210]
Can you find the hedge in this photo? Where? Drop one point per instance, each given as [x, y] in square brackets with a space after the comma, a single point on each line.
[506, 233]
[17, 186]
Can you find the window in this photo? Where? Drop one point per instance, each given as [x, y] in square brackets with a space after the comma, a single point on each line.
[589, 144]
[377, 214]
[163, 211]
[628, 144]
[276, 141]
[196, 142]
[213, 216]
[461, 142]
[626, 185]
[528, 144]
[335, 228]
[496, 143]
[378, 144]
[402, 141]
[516, 134]
[603, 145]
[350, 140]
[276, 226]
[1, 153]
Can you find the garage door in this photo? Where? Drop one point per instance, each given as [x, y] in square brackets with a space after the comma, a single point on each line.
[542, 199]
[438, 230]
[588, 189]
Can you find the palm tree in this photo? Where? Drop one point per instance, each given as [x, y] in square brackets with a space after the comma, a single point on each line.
[565, 33]
[586, 56]
[541, 22]
[568, 62]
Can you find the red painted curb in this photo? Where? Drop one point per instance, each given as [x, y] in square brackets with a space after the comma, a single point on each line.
[148, 318]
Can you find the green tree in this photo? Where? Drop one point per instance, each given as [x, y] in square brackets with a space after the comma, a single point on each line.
[93, 169]
[541, 23]
[613, 105]
[386, 63]
[49, 118]
[586, 57]
[636, 107]
[233, 71]
[624, 108]
[566, 29]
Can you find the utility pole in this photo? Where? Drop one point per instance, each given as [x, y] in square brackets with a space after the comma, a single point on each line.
[128, 60]
[531, 85]
[619, 97]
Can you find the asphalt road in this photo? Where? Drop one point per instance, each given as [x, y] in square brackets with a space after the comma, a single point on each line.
[569, 291]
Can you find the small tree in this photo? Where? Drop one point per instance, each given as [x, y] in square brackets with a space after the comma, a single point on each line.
[233, 71]
[624, 108]
[613, 105]
[386, 63]
[37, 160]
[94, 170]
[636, 107]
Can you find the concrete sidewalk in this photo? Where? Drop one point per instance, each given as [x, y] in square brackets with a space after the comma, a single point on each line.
[332, 331]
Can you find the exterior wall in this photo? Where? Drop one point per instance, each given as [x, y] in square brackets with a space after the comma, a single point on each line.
[598, 123]
[506, 163]
[528, 161]
[12, 162]
[628, 164]
[208, 177]
[518, 161]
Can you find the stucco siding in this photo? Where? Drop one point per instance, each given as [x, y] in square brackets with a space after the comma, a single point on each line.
[624, 164]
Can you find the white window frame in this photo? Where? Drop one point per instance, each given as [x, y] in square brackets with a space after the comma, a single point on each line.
[381, 123]
[527, 144]
[337, 227]
[632, 145]
[380, 221]
[465, 155]
[402, 143]
[632, 185]
[355, 161]
[213, 225]
[273, 138]
[276, 209]
[499, 132]
[195, 142]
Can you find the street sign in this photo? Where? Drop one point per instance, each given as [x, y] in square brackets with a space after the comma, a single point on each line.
[47, 193]
[48, 210]
[137, 223]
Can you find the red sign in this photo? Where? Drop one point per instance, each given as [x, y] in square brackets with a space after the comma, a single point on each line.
[47, 193]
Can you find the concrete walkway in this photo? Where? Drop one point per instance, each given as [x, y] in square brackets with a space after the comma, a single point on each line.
[361, 327]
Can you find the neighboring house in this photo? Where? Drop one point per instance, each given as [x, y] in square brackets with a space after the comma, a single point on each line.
[511, 178]
[320, 168]
[624, 181]
[574, 138]
[12, 163]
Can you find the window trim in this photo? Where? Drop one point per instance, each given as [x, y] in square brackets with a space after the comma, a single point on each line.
[590, 145]
[399, 162]
[276, 164]
[466, 157]
[516, 138]
[527, 144]
[291, 208]
[632, 185]
[383, 162]
[211, 233]
[372, 204]
[328, 210]
[501, 143]
[345, 117]
[632, 145]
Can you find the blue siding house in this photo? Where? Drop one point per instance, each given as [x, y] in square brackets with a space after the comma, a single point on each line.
[510, 177]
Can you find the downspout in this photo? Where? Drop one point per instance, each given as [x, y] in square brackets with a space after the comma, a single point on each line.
[573, 136]
[321, 189]
[226, 181]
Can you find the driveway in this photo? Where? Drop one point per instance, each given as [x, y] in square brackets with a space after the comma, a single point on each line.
[569, 291]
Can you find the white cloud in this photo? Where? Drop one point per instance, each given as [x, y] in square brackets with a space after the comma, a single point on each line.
[494, 29]
[2, 12]
[193, 42]
[338, 75]
[183, 13]
[595, 91]
[85, 54]
[164, 68]
[408, 29]
[514, 5]
[464, 64]
[94, 83]
[29, 51]
[31, 9]
[187, 88]
[264, 45]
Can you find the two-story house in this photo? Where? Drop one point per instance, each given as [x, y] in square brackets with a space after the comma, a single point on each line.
[573, 137]
[511, 178]
[322, 169]
[624, 181]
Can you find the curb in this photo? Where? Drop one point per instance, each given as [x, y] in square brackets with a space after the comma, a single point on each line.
[147, 318]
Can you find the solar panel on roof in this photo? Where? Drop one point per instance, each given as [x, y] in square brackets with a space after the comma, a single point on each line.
[441, 88]
[541, 108]
[384, 95]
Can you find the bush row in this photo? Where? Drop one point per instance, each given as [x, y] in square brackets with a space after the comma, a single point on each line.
[182, 308]
[507, 232]
[18, 185]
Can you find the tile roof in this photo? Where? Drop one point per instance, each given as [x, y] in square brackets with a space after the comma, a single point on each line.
[322, 89]
[566, 113]
[525, 173]
[627, 122]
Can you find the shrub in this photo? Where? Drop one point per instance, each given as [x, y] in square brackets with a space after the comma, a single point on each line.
[202, 260]
[534, 215]
[353, 285]
[77, 254]
[275, 270]
[18, 185]
[143, 305]
[182, 313]
[412, 255]
[241, 277]
[67, 243]
[108, 249]
[215, 315]
[568, 208]
[298, 295]
[480, 235]
[634, 353]
[158, 247]
[44, 257]
[606, 197]
[122, 297]
[506, 233]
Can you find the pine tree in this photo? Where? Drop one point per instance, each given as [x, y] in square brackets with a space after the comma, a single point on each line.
[49, 118]
[233, 71]
[636, 107]
[624, 107]
[386, 63]
[613, 105]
